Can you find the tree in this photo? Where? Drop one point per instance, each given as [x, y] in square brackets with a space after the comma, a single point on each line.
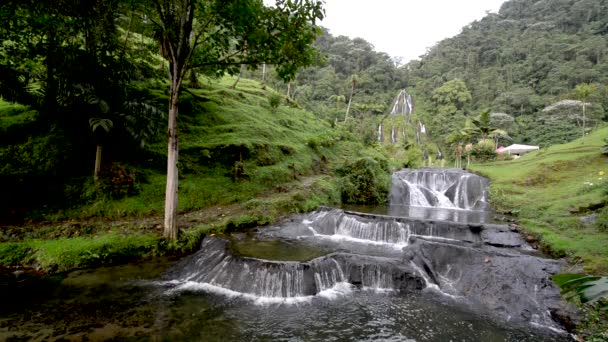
[583, 92]
[451, 96]
[337, 99]
[353, 84]
[105, 125]
[217, 36]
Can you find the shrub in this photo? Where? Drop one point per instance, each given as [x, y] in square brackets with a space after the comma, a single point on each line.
[274, 100]
[483, 151]
[602, 220]
[365, 181]
[118, 181]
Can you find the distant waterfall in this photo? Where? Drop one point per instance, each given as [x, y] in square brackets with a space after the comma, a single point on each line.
[403, 104]
[439, 188]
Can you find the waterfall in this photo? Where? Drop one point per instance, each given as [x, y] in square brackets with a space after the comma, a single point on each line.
[327, 273]
[439, 188]
[403, 104]
[380, 133]
[215, 266]
[339, 226]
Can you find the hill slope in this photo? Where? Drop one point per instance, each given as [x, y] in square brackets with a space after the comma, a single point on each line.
[518, 61]
[553, 192]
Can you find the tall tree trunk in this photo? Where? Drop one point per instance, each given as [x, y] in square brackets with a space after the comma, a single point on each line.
[352, 91]
[170, 231]
[97, 163]
[289, 90]
[239, 77]
[264, 73]
[584, 121]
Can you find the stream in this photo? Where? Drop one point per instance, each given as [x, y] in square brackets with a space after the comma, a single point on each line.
[432, 266]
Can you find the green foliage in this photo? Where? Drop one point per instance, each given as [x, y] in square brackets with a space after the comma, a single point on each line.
[274, 100]
[605, 147]
[602, 220]
[68, 253]
[483, 151]
[530, 55]
[589, 289]
[451, 96]
[325, 88]
[14, 254]
[364, 181]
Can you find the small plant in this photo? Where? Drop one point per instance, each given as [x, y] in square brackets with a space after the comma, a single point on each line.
[605, 147]
[274, 100]
[602, 220]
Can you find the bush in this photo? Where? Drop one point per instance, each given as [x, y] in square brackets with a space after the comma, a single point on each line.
[365, 181]
[118, 181]
[274, 100]
[602, 220]
[483, 151]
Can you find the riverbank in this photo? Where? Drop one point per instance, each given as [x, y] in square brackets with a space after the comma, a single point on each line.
[557, 195]
[67, 245]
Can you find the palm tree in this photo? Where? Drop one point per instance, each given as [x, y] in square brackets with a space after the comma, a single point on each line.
[138, 118]
[105, 125]
[497, 134]
[338, 99]
[481, 125]
[459, 140]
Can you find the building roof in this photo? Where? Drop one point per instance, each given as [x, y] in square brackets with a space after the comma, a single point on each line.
[517, 148]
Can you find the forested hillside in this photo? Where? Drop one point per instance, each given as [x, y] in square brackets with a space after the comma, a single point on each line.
[530, 55]
[347, 66]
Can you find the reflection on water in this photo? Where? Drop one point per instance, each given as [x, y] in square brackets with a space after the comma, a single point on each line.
[437, 214]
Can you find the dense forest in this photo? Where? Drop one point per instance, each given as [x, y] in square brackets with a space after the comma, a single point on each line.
[530, 55]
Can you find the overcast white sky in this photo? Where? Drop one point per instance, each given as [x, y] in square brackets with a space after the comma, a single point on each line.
[403, 28]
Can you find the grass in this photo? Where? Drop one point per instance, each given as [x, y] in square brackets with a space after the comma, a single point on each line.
[550, 190]
[68, 253]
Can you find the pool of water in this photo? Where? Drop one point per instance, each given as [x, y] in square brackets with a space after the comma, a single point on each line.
[132, 302]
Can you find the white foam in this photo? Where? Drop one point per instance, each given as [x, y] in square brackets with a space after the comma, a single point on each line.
[338, 290]
[431, 237]
[339, 237]
[206, 287]
[554, 329]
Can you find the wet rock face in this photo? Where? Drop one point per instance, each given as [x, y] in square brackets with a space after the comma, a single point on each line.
[517, 287]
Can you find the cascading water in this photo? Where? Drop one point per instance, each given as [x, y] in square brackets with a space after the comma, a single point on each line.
[445, 188]
[452, 258]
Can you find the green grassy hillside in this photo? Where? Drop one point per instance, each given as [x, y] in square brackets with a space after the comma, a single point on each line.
[551, 190]
[248, 156]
